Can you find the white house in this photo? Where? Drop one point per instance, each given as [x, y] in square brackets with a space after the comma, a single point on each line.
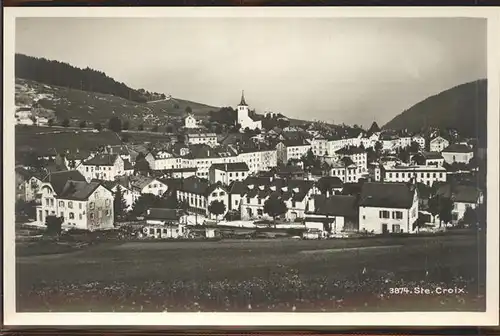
[258, 159]
[438, 144]
[332, 214]
[226, 173]
[457, 153]
[164, 224]
[463, 196]
[81, 205]
[202, 138]
[357, 154]
[244, 119]
[420, 140]
[163, 160]
[319, 146]
[27, 184]
[294, 193]
[388, 207]
[140, 185]
[427, 175]
[289, 149]
[346, 170]
[74, 159]
[199, 194]
[129, 195]
[102, 167]
[202, 157]
[190, 122]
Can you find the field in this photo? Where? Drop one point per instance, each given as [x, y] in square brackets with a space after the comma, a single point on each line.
[258, 275]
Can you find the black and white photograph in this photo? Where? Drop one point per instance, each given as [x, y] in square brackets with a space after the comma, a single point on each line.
[237, 163]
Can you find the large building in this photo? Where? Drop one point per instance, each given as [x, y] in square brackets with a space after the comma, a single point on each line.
[163, 160]
[244, 118]
[388, 208]
[102, 167]
[196, 138]
[438, 144]
[427, 175]
[190, 122]
[226, 173]
[292, 149]
[457, 153]
[81, 205]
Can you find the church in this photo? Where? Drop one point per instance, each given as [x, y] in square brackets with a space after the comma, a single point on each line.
[244, 119]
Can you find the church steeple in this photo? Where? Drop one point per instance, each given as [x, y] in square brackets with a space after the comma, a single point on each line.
[242, 102]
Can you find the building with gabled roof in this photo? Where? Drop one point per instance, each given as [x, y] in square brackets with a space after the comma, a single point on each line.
[102, 167]
[27, 184]
[294, 148]
[438, 144]
[198, 194]
[463, 197]
[333, 214]
[244, 118]
[81, 205]
[226, 173]
[388, 207]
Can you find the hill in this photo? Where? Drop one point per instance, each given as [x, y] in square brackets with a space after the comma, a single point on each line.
[463, 108]
[77, 105]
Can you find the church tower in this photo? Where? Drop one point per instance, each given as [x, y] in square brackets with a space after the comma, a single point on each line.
[242, 110]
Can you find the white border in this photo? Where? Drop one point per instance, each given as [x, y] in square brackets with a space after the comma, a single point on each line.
[488, 318]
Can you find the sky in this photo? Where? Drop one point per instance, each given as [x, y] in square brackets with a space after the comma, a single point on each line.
[341, 70]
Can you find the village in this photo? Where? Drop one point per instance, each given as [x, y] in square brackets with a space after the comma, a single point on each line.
[308, 181]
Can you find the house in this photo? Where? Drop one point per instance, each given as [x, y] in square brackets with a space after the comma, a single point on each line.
[81, 205]
[128, 195]
[260, 158]
[162, 160]
[102, 167]
[420, 140]
[196, 138]
[226, 173]
[75, 158]
[244, 118]
[199, 194]
[332, 214]
[319, 146]
[203, 157]
[388, 207]
[178, 173]
[438, 144]
[294, 172]
[427, 175]
[289, 149]
[128, 168]
[428, 159]
[463, 196]
[162, 216]
[27, 184]
[164, 224]
[346, 170]
[457, 153]
[357, 154]
[122, 150]
[140, 185]
[294, 193]
[236, 190]
[190, 122]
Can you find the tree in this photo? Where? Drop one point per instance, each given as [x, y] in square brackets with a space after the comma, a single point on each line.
[126, 125]
[54, 225]
[26, 208]
[188, 109]
[83, 124]
[275, 207]
[145, 202]
[98, 126]
[445, 210]
[470, 217]
[217, 208]
[115, 124]
[326, 185]
[433, 205]
[140, 127]
[119, 204]
[65, 123]
[414, 147]
[50, 122]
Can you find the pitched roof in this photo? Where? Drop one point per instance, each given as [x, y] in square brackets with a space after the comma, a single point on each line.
[386, 195]
[237, 188]
[351, 150]
[233, 167]
[78, 190]
[137, 182]
[439, 138]
[432, 155]
[457, 148]
[460, 193]
[199, 186]
[287, 189]
[336, 205]
[78, 155]
[332, 181]
[58, 179]
[163, 214]
[242, 101]
[26, 174]
[102, 160]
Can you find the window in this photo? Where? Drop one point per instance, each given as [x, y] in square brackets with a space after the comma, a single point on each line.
[71, 215]
[47, 201]
[230, 174]
[46, 212]
[384, 214]
[222, 193]
[108, 212]
[62, 214]
[397, 175]
[61, 204]
[397, 215]
[214, 194]
[259, 201]
[434, 175]
[86, 169]
[236, 202]
[70, 205]
[80, 216]
[107, 202]
[259, 212]
[91, 205]
[294, 204]
[428, 175]
[390, 175]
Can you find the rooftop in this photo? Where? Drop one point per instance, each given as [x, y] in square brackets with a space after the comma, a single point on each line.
[387, 195]
[233, 167]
